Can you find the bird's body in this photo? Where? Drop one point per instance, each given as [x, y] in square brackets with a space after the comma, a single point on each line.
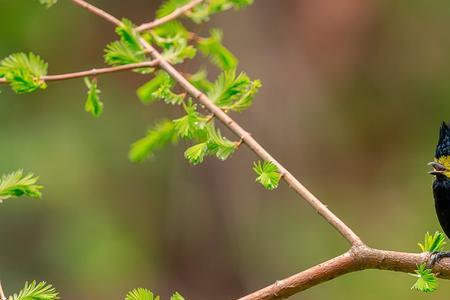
[441, 184]
[441, 193]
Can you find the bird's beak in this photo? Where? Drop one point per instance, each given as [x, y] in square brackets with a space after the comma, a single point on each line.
[438, 168]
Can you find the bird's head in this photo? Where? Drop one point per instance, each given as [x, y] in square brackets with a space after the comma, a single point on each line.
[441, 163]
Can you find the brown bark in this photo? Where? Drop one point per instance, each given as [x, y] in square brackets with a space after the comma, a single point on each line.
[356, 259]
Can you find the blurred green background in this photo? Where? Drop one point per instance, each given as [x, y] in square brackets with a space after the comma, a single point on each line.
[354, 92]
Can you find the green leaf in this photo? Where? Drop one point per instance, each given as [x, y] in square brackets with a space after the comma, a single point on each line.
[48, 3]
[141, 294]
[33, 291]
[200, 81]
[202, 12]
[161, 134]
[165, 94]
[16, 185]
[172, 37]
[93, 103]
[196, 154]
[179, 52]
[24, 72]
[128, 49]
[245, 100]
[128, 35]
[233, 93]
[169, 6]
[239, 4]
[426, 282]
[219, 55]
[118, 53]
[159, 88]
[218, 145]
[268, 174]
[176, 296]
[192, 124]
[169, 34]
[433, 243]
[145, 92]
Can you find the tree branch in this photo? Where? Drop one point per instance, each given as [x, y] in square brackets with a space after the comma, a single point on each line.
[325, 271]
[95, 72]
[245, 136]
[359, 257]
[97, 11]
[356, 259]
[172, 16]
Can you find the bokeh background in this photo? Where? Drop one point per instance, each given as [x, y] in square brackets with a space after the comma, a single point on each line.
[354, 92]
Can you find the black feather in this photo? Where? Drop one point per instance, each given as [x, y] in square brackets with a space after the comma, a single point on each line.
[441, 191]
[443, 146]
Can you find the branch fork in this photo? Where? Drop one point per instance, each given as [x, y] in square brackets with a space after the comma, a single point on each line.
[358, 257]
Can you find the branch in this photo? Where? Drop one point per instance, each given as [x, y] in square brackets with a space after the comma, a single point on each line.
[245, 136]
[94, 72]
[356, 259]
[175, 14]
[97, 11]
[359, 257]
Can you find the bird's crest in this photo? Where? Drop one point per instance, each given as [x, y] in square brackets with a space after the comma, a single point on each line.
[443, 146]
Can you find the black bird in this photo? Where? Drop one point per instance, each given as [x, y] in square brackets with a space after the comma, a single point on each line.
[441, 184]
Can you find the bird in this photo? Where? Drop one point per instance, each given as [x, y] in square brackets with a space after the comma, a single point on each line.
[441, 185]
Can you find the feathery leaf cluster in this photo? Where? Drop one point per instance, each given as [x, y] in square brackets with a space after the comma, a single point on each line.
[204, 11]
[200, 80]
[234, 93]
[44, 291]
[157, 137]
[145, 294]
[36, 291]
[192, 124]
[16, 184]
[24, 72]
[211, 144]
[268, 174]
[141, 294]
[432, 243]
[426, 281]
[173, 38]
[128, 49]
[219, 55]
[93, 103]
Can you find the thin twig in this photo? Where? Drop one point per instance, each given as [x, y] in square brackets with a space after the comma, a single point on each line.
[173, 15]
[94, 72]
[97, 11]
